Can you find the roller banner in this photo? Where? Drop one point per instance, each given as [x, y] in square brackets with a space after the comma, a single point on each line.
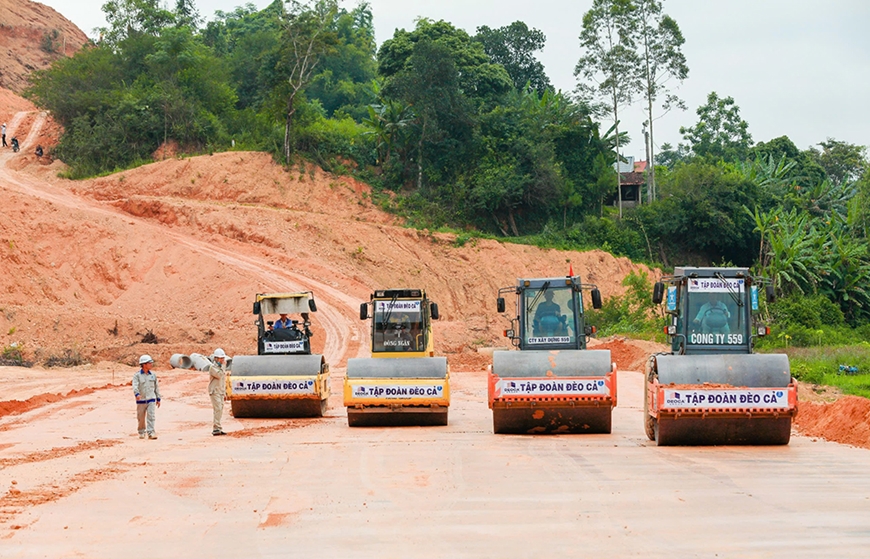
[562, 387]
[397, 391]
[726, 399]
[253, 386]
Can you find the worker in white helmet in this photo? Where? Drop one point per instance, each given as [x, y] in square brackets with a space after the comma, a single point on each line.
[147, 393]
[217, 388]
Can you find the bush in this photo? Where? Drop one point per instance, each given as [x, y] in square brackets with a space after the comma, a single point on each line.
[13, 356]
[69, 358]
[615, 237]
[814, 312]
[325, 140]
[632, 313]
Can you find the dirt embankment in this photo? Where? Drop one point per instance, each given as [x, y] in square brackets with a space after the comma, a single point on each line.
[178, 249]
[32, 36]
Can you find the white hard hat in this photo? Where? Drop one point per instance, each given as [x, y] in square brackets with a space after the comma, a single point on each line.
[145, 359]
[219, 353]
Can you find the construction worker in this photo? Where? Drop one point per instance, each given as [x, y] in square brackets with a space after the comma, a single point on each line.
[147, 393]
[217, 388]
[282, 322]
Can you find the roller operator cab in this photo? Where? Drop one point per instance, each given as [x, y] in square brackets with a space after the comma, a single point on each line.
[711, 388]
[284, 379]
[402, 383]
[553, 384]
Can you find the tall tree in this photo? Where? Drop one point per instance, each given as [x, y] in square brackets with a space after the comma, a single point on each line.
[186, 14]
[308, 35]
[609, 61]
[660, 41]
[842, 161]
[720, 132]
[514, 47]
[129, 18]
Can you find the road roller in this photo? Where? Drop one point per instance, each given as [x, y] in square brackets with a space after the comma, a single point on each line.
[551, 383]
[403, 382]
[711, 389]
[284, 379]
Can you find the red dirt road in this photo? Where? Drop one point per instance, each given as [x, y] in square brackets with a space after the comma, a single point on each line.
[77, 482]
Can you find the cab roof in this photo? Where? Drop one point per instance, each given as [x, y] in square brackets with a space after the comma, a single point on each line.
[711, 272]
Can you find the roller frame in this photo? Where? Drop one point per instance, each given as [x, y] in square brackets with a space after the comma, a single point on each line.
[553, 413]
[278, 405]
[413, 372]
[737, 425]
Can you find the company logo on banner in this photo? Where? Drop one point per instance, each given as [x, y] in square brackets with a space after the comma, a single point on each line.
[720, 399]
[397, 392]
[242, 387]
[715, 285]
[561, 387]
[283, 347]
[397, 306]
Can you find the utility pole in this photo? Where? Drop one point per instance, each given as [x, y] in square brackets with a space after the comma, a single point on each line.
[650, 193]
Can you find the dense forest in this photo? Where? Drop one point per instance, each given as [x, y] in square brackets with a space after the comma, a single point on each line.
[467, 133]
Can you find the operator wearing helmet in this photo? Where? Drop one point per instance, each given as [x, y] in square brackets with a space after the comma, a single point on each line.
[217, 388]
[147, 393]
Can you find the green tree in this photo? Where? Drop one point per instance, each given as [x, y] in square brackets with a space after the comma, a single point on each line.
[609, 61]
[343, 82]
[842, 161]
[660, 42]
[129, 18]
[669, 156]
[448, 79]
[480, 80]
[804, 170]
[186, 14]
[720, 133]
[514, 47]
[308, 36]
[701, 213]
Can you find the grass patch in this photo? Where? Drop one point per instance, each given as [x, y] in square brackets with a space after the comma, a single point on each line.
[821, 365]
[12, 356]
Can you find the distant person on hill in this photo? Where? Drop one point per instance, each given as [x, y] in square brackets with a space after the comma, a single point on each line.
[3, 133]
[39, 151]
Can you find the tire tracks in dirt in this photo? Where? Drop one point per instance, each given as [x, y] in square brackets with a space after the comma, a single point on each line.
[342, 333]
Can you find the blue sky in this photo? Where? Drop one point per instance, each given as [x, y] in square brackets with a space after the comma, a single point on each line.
[800, 69]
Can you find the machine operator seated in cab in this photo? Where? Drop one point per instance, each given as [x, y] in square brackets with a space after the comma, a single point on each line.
[284, 329]
[549, 320]
[714, 316]
[399, 333]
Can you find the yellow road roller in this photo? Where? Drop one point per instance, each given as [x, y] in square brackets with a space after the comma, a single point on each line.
[284, 379]
[402, 383]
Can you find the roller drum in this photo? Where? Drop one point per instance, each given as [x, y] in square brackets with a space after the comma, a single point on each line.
[561, 363]
[277, 365]
[750, 370]
[408, 368]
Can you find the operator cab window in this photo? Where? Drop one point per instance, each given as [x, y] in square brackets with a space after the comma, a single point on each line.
[714, 316]
[550, 316]
[398, 326]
